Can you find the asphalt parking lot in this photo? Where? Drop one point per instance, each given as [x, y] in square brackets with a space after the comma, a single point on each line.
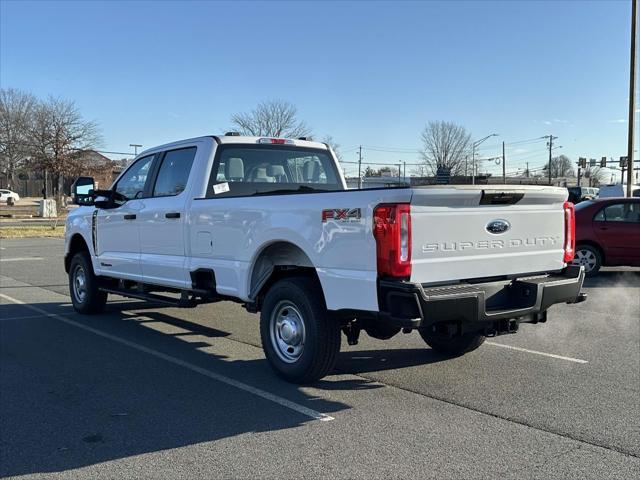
[148, 391]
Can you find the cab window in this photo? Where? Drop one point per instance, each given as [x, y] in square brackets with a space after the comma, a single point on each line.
[174, 172]
[619, 212]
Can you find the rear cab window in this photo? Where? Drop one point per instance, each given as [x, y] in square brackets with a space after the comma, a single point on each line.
[173, 173]
[247, 170]
[619, 212]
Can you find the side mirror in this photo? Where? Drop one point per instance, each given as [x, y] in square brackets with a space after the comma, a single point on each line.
[83, 189]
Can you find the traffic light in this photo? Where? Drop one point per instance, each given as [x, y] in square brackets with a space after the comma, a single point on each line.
[603, 162]
[582, 162]
[623, 162]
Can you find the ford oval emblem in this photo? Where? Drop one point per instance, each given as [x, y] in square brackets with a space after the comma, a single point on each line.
[498, 226]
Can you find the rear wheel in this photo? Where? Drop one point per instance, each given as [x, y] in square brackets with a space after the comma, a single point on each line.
[83, 286]
[300, 340]
[589, 257]
[454, 346]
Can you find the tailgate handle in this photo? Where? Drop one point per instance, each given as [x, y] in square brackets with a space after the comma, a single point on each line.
[500, 198]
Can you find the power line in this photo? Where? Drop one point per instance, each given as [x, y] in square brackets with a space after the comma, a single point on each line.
[378, 163]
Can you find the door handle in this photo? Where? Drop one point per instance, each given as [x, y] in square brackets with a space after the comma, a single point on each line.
[130, 216]
[604, 228]
[172, 215]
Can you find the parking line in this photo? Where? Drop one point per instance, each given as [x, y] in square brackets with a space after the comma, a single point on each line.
[20, 259]
[176, 361]
[26, 317]
[535, 352]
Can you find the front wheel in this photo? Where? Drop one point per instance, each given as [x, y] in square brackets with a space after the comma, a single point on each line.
[453, 346]
[86, 297]
[300, 340]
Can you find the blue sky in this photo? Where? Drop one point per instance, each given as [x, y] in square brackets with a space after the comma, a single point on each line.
[370, 73]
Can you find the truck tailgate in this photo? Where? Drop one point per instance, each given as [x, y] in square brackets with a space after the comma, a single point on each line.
[467, 232]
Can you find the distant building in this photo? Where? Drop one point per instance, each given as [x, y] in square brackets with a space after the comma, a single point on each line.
[29, 181]
[94, 164]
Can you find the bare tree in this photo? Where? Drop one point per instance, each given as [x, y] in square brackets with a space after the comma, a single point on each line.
[560, 167]
[596, 176]
[275, 118]
[16, 117]
[58, 133]
[445, 144]
[335, 146]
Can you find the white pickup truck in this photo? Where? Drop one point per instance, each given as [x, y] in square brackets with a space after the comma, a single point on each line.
[269, 223]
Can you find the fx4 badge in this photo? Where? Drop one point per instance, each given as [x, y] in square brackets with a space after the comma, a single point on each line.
[341, 214]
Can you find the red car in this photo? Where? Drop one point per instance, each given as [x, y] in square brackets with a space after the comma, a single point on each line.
[607, 233]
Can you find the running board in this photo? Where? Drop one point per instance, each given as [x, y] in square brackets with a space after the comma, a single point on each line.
[183, 302]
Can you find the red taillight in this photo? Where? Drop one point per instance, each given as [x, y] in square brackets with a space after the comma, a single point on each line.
[392, 231]
[569, 231]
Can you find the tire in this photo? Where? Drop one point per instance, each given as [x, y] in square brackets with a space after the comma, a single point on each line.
[451, 346]
[83, 286]
[589, 257]
[300, 340]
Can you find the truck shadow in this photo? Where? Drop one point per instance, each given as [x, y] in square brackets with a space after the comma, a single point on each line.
[72, 399]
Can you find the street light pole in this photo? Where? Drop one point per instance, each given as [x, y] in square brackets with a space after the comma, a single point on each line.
[360, 167]
[473, 156]
[632, 93]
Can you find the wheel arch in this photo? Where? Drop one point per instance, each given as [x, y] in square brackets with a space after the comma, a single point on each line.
[76, 244]
[276, 260]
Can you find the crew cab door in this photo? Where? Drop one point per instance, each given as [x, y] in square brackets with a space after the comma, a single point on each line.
[117, 233]
[162, 220]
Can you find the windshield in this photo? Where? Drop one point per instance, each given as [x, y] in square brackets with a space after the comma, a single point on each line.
[243, 170]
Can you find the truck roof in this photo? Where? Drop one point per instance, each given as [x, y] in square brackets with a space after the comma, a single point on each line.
[236, 139]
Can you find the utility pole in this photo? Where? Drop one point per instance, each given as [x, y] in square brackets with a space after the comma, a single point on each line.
[399, 171]
[550, 144]
[135, 148]
[527, 169]
[632, 93]
[360, 167]
[504, 166]
[404, 172]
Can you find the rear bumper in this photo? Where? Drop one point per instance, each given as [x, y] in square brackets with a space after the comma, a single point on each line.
[492, 307]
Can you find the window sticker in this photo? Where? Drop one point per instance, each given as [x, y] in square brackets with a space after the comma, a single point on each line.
[220, 188]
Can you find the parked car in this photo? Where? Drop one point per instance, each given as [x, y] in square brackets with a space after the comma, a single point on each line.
[269, 223]
[579, 194]
[6, 194]
[607, 233]
[618, 190]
